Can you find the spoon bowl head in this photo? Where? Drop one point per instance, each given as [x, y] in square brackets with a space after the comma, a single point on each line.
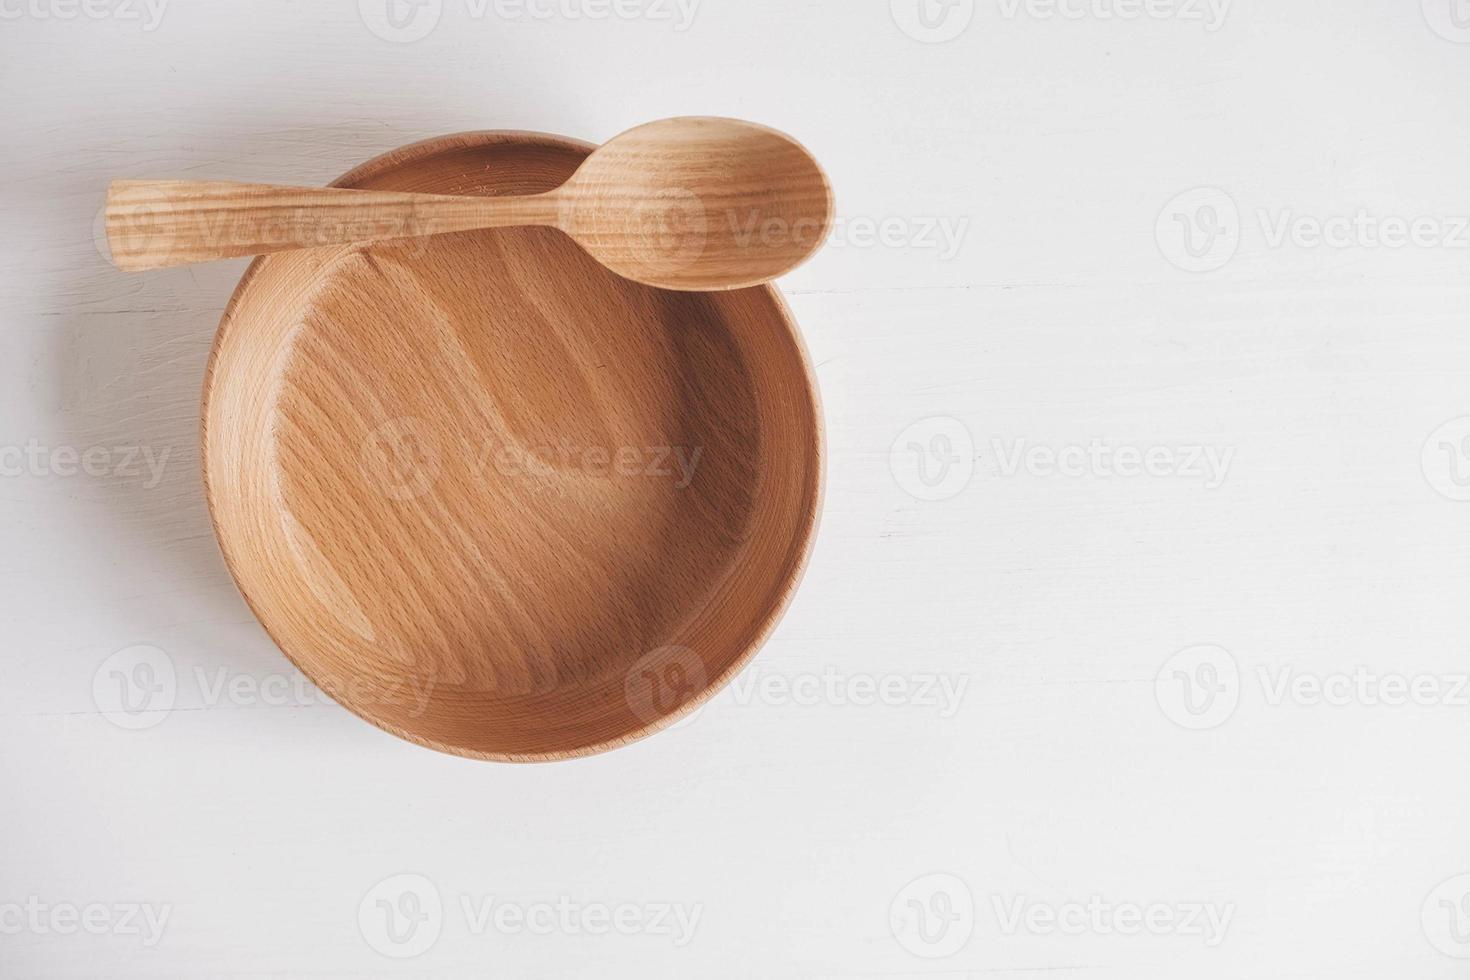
[699, 203]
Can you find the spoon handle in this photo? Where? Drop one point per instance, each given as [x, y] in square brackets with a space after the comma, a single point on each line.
[156, 223]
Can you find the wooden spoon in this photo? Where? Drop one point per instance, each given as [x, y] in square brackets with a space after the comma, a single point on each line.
[695, 203]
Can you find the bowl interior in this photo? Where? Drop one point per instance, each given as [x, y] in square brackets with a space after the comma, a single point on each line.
[494, 498]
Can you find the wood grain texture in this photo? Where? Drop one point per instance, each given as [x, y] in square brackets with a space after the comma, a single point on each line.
[694, 203]
[700, 203]
[154, 224]
[494, 498]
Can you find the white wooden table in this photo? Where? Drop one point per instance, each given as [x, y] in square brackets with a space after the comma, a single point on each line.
[1134, 645]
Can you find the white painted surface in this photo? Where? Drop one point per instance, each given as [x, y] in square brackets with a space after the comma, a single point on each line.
[1327, 840]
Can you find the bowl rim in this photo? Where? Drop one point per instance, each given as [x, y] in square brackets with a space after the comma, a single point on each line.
[784, 590]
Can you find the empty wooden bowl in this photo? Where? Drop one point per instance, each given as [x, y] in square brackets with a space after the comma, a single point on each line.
[493, 498]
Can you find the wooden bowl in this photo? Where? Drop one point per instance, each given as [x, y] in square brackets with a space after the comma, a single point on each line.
[493, 498]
